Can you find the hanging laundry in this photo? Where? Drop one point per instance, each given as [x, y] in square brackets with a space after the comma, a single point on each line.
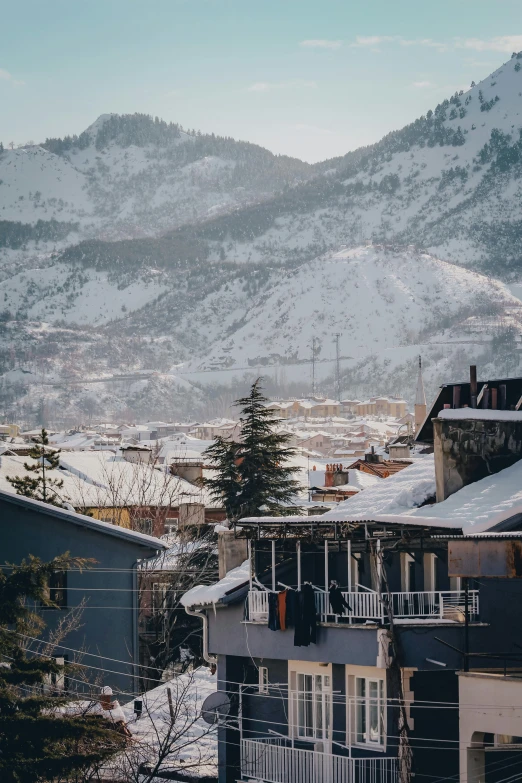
[281, 609]
[337, 601]
[291, 608]
[273, 613]
[305, 623]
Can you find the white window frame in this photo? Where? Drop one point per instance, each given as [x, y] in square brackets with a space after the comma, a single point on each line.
[314, 674]
[263, 679]
[357, 706]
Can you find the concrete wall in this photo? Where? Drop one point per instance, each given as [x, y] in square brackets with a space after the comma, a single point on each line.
[471, 449]
[232, 551]
[109, 620]
[489, 704]
[229, 635]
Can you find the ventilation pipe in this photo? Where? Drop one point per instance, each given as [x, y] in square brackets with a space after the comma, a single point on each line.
[473, 385]
[204, 619]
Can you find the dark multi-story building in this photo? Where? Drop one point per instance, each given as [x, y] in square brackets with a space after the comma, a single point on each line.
[340, 640]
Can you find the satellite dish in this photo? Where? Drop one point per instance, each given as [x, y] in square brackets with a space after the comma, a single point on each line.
[215, 707]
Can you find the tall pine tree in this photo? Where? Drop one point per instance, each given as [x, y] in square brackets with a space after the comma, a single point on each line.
[38, 740]
[40, 486]
[253, 477]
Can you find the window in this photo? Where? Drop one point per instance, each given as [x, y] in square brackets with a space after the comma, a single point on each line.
[263, 679]
[56, 590]
[369, 711]
[313, 705]
[171, 525]
[54, 682]
[366, 706]
[144, 526]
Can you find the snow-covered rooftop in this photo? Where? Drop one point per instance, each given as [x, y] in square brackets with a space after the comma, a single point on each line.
[475, 508]
[396, 494]
[479, 413]
[203, 595]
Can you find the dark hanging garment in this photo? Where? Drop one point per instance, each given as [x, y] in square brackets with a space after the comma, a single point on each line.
[305, 617]
[281, 609]
[273, 614]
[298, 619]
[337, 601]
[309, 614]
[291, 597]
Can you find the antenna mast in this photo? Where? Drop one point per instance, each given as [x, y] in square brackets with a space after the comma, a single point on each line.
[337, 366]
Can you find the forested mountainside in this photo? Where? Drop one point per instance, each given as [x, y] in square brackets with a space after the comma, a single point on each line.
[225, 258]
[132, 175]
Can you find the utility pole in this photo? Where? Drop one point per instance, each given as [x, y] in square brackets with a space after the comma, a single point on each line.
[313, 367]
[337, 367]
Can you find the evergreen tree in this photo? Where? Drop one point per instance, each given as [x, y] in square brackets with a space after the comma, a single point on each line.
[39, 741]
[252, 476]
[40, 486]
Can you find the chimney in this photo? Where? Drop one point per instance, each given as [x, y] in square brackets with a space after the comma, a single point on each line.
[232, 551]
[191, 515]
[469, 449]
[420, 408]
[189, 470]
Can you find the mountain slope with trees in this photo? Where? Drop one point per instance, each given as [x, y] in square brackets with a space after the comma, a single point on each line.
[151, 246]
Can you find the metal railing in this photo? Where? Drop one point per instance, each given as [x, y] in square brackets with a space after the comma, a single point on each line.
[438, 605]
[274, 760]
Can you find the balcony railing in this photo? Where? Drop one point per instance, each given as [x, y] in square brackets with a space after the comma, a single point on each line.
[273, 760]
[436, 605]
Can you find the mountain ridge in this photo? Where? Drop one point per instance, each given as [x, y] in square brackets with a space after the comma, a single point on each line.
[191, 250]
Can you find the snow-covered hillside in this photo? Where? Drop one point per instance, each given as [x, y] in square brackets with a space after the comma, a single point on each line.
[450, 182]
[138, 247]
[132, 176]
[376, 297]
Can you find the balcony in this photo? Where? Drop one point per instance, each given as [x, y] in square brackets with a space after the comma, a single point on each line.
[274, 760]
[367, 605]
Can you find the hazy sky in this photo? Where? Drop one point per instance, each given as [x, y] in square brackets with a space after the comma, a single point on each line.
[309, 78]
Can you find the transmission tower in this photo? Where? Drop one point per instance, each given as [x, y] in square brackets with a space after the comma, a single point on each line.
[337, 366]
[313, 367]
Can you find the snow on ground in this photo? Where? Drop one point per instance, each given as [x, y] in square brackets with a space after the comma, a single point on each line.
[192, 742]
[377, 298]
[59, 292]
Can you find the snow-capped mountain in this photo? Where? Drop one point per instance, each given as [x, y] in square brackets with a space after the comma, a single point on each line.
[378, 298]
[128, 176]
[225, 260]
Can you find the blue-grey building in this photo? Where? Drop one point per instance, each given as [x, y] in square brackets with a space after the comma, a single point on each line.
[368, 691]
[106, 642]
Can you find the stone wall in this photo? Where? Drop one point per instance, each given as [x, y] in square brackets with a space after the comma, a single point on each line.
[468, 450]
